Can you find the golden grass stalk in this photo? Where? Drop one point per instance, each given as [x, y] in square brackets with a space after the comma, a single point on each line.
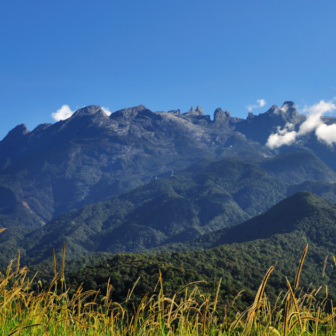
[297, 279]
[324, 267]
[54, 258]
[294, 301]
[63, 260]
[286, 315]
[18, 262]
[257, 303]
[130, 293]
[263, 284]
[217, 293]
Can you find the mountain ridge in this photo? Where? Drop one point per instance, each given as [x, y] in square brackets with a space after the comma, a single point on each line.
[208, 196]
[91, 156]
[241, 264]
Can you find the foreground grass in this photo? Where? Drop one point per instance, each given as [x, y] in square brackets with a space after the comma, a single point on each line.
[24, 311]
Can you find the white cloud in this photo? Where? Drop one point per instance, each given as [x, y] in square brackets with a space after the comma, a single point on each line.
[106, 110]
[325, 133]
[261, 103]
[63, 113]
[277, 140]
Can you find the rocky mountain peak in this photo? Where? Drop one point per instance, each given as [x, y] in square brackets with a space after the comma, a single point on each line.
[16, 134]
[290, 114]
[221, 117]
[287, 112]
[272, 109]
[198, 112]
[88, 110]
[128, 112]
[289, 103]
[259, 127]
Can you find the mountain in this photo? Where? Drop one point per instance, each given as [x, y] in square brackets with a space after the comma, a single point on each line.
[143, 181]
[205, 197]
[322, 189]
[277, 237]
[297, 166]
[259, 128]
[14, 212]
[91, 156]
[314, 217]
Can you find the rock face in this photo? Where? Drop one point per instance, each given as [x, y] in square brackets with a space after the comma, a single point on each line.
[16, 134]
[91, 156]
[128, 112]
[199, 110]
[222, 117]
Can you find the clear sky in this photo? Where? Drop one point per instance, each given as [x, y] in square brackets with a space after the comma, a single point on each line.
[165, 54]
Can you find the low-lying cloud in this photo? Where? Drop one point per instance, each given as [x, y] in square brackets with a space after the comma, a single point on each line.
[313, 123]
[260, 103]
[63, 113]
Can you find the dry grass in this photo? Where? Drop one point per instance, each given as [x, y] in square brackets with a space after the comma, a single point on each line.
[54, 312]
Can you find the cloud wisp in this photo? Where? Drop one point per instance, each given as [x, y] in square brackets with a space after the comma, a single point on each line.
[260, 103]
[325, 133]
[63, 113]
[106, 110]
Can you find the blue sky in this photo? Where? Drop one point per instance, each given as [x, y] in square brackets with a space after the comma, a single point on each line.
[163, 54]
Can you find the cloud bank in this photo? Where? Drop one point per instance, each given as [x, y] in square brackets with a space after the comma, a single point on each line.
[325, 133]
[63, 113]
[260, 103]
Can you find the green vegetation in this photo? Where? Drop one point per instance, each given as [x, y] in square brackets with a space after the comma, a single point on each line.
[193, 308]
[226, 277]
[274, 238]
[297, 167]
[322, 189]
[206, 197]
[239, 265]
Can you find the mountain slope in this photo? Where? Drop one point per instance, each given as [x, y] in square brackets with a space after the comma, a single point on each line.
[304, 212]
[297, 167]
[277, 237]
[322, 189]
[89, 157]
[315, 217]
[207, 196]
